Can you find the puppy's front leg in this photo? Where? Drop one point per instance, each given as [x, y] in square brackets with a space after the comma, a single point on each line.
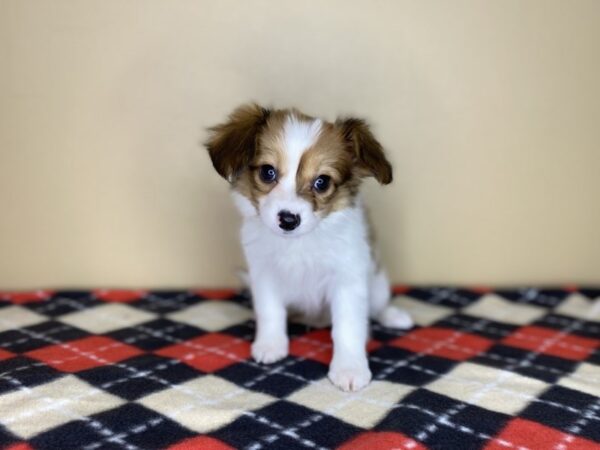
[349, 368]
[271, 341]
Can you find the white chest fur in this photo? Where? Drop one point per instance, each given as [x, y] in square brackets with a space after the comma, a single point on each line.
[304, 269]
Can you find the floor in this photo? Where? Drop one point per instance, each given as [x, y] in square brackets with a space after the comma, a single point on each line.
[113, 369]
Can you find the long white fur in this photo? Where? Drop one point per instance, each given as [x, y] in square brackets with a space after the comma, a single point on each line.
[324, 271]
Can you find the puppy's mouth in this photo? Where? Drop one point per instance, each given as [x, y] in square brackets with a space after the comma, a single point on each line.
[289, 233]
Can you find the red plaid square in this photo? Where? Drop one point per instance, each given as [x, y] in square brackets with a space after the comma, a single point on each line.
[552, 342]
[5, 355]
[443, 342]
[210, 352]
[400, 289]
[119, 295]
[75, 356]
[481, 289]
[20, 446]
[19, 298]
[521, 433]
[318, 346]
[201, 442]
[381, 440]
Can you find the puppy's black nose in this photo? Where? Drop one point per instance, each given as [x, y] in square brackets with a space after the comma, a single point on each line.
[288, 221]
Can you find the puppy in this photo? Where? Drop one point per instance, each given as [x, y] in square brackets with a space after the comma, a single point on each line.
[305, 235]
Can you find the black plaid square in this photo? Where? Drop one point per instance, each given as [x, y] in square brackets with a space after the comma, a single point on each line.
[385, 334]
[243, 331]
[594, 358]
[285, 425]
[138, 376]
[535, 365]
[476, 325]
[440, 422]
[156, 334]
[568, 410]
[7, 439]
[403, 366]
[22, 371]
[164, 302]
[590, 293]
[22, 340]
[547, 298]
[451, 297]
[64, 302]
[278, 380]
[575, 326]
[129, 426]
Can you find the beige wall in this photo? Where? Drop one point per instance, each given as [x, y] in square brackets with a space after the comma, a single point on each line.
[490, 112]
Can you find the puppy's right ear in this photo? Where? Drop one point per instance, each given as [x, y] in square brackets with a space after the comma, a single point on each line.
[232, 145]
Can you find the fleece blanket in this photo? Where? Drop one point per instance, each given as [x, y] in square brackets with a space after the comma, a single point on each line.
[113, 369]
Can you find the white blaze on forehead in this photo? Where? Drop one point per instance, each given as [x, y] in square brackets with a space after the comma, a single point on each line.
[298, 136]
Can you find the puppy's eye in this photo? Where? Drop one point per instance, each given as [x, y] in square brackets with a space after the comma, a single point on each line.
[321, 183]
[268, 173]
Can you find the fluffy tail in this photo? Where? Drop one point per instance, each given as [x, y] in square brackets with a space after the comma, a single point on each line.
[382, 311]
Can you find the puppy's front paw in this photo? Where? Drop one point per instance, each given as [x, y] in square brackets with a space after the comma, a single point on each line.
[349, 377]
[268, 352]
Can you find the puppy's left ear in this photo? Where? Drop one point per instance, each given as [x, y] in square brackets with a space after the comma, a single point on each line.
[369, 154]
[232, 144]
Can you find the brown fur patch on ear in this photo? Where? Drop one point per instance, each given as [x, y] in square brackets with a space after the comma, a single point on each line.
[369, 154]
[232, 145]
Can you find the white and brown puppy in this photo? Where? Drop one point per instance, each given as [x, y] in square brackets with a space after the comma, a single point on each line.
[305, 235]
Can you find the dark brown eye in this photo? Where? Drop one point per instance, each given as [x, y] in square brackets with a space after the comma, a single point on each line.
[268, 173]
[321, 183]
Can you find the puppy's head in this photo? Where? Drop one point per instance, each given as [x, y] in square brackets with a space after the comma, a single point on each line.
[294, 169]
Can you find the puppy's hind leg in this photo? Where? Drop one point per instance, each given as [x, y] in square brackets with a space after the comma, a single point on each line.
[380, 309]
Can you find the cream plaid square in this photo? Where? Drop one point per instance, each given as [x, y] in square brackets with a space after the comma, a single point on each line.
[212, 316]
[106, 318]
[28, 412]
[13, 317]
[586, 379]
[490, 388]
[206, 403]
[494, 307]
[422, 313]
[363, 409]
[578, 306]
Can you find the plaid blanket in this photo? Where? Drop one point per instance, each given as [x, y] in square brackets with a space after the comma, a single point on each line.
[513, 369]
